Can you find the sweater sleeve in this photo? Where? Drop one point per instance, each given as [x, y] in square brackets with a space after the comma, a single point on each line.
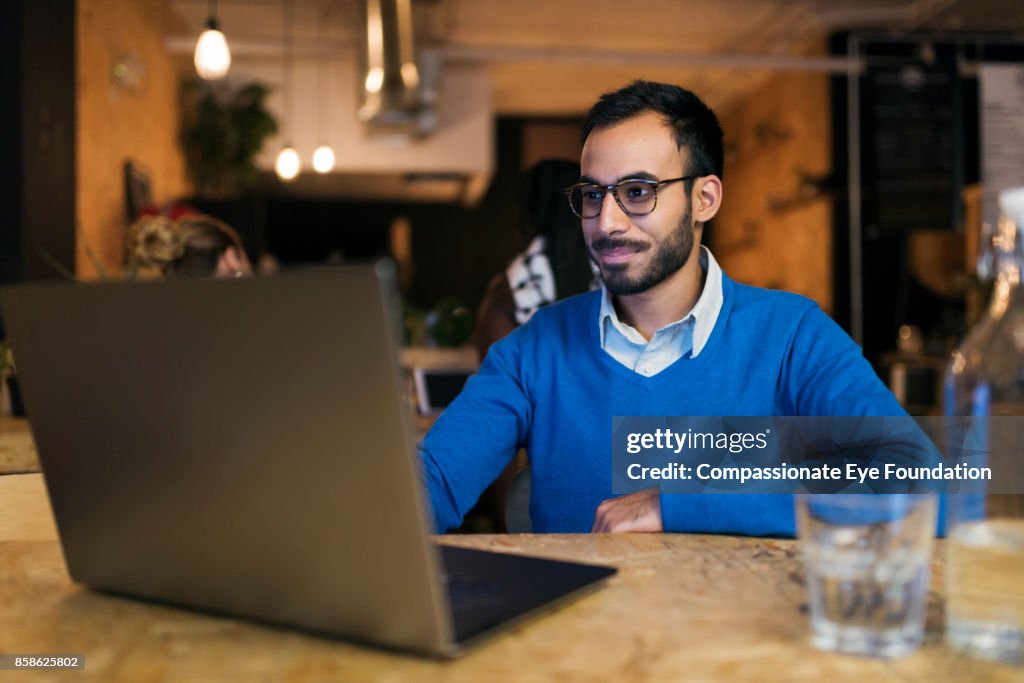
[826, 373]
[764, 514]
[477, 434]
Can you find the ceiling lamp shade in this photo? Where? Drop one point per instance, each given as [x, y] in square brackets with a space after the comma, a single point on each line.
[288, 163]
[212, 57]
[323, 156]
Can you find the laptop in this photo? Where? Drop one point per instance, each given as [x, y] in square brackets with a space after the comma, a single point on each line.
[437, 387]
[243, 447]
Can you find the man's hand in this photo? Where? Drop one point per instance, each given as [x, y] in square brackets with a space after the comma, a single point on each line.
[634, 512]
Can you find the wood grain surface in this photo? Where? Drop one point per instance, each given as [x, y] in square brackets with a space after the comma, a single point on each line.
[17, 449]
[682, 608]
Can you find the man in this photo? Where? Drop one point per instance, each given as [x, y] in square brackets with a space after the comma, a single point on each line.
[669, 334]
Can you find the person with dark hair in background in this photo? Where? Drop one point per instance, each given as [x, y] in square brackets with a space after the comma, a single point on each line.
[209, 248]
[555, 264]
[668, 334]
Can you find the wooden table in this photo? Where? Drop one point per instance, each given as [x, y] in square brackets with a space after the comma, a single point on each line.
[17, 449]
[682, 608]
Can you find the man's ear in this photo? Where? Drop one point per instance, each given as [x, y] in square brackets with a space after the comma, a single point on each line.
[707, 198]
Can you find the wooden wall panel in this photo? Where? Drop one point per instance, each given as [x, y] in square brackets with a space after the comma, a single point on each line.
[116, 123]
[550, 140]
[772, 231]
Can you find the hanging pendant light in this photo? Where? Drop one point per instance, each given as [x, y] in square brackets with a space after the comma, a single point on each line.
[288, 163]
[212, 57]
[323, 157]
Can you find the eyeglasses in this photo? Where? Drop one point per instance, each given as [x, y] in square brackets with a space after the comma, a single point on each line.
[634, 197]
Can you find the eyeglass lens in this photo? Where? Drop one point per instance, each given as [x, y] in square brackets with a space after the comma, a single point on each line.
[636, 197]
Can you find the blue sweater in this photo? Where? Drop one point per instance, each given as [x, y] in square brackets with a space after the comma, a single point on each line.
[549, 387]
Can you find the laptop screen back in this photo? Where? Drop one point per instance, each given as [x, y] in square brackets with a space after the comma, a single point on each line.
[236, 445]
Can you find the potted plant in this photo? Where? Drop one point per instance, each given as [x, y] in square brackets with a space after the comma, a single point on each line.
[223, 130]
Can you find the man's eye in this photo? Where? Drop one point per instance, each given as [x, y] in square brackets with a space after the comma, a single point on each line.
[636, 191]
[592, 194]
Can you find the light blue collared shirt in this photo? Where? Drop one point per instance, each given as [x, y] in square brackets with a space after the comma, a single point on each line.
[673, 341]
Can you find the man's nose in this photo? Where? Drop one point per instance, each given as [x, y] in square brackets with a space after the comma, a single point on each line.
[612, 218]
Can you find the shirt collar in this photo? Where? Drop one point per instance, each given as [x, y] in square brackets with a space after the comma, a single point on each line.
[704, 313]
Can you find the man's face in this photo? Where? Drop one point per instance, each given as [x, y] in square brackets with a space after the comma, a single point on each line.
[635, 253]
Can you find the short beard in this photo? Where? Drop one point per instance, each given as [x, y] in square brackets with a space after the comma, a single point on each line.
[672, 255]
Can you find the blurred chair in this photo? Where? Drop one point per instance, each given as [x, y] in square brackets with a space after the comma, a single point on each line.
[517, 503]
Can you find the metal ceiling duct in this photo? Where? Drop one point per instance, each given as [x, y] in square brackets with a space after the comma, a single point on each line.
[392, 99]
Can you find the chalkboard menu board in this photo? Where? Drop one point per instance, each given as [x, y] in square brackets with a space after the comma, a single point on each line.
[908, 129]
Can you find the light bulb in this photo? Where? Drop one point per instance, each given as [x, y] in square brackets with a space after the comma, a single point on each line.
[374, 79]
[323, 159]
[213, 58]
[287, 164]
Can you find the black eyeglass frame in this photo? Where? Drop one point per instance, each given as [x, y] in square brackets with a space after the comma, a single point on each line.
[614, 189]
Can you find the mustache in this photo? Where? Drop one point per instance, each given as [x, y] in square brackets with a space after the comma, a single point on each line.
[607, 243]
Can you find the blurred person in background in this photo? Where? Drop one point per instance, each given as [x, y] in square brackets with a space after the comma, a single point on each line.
[194, 245]
[555, 264]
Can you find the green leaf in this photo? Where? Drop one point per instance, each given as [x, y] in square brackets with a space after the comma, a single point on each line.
[223, 132]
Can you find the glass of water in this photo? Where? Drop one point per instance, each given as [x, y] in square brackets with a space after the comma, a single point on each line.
[867, 560]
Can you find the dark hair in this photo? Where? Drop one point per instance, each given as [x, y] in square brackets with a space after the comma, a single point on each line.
[694, 124]
[544, 211]
[203, 240]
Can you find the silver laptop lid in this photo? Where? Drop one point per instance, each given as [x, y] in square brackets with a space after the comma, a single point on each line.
[236, 445]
